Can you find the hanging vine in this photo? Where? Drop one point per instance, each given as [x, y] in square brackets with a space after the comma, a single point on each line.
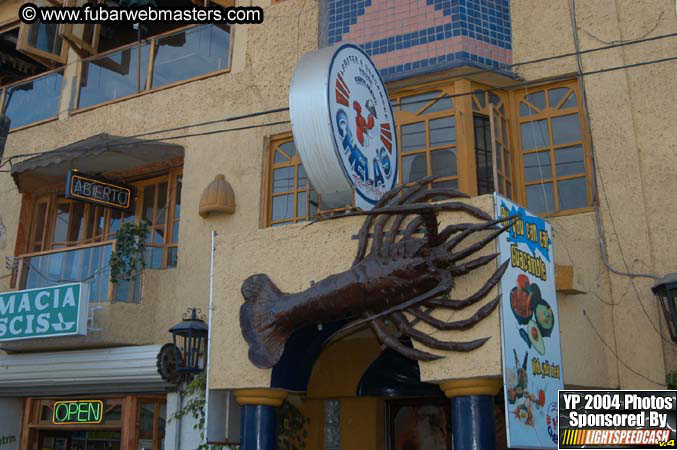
[128, 258]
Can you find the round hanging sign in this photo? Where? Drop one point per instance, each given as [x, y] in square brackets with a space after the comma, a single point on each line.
[343, 126]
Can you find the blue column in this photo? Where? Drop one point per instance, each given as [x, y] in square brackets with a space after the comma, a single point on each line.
[473, 423]
[257, 427]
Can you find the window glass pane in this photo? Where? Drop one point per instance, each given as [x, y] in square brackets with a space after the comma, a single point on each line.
[172, 257]
[302, 204]
[115, 221]
[289, 149]
[40, 216]
[414, 167]
[566, 129]
[499, 158]
[162, 203]
[314, 202]
[482, 132]
[504, 127]
[413, 136]
[526, 110]
[45, 37]
[569, 161]
[535, 134]
[571, 102]
[177, 206]
[443, 162]
[283, 207]
[480, 97]
[34, 100]
[158, 235]
[190, 53]
[573, 193]
[148, 201]
[302, 177]
[280, 157]
[537, 166]
[537, 99]
[508, 189]
[113, 76]
[556, 96]
[61, 224]
[494, 99]
[414, 103]
[154, 257]
[96, 219]
[332, 425]
[283, 179]
[453, 184]
[506, 158]
[76, 223]
[442, 131]
[147, 412]
[443, 104]
[540, 198]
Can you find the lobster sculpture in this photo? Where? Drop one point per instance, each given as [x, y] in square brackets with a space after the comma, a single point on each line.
[413, 274]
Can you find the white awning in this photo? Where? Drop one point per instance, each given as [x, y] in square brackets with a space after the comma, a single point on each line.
[110, 370]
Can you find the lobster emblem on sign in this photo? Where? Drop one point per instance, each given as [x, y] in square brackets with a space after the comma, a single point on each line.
[409, 267]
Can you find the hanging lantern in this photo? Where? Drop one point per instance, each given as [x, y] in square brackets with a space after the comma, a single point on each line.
[190, 343]
[666, 291]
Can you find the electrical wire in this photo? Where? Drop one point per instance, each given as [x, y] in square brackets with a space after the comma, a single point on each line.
[616, 355]
[600, 232]
[480, 71]
[119, 142]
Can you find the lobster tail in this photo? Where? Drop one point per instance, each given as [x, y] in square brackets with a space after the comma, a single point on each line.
[266, 340]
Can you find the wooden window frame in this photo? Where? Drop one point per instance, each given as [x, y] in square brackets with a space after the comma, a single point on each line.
[404, 118]
[46, 58]
[145, 85]
[294, 162]
[128, 425]
[516, 96]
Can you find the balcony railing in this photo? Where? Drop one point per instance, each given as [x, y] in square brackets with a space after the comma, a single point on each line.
[87, 264]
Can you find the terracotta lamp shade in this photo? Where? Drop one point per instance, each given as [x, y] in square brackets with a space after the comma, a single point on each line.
[218, 197]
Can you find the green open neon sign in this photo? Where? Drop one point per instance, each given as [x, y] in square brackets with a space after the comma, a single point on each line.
[77, 411]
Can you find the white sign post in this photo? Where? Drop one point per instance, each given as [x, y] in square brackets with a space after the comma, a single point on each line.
[343, 126]
[532, 359]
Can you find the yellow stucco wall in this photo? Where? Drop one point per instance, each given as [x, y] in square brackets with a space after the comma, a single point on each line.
[632, 123]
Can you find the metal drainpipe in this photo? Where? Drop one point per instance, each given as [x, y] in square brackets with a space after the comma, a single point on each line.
[209, 332]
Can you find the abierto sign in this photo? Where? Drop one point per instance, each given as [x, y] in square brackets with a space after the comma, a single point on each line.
[99, 191]
[44, 312]
[343, 126]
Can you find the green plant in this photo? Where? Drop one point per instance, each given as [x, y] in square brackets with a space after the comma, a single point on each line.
[671, 379]
[128, 258]
[291, 427]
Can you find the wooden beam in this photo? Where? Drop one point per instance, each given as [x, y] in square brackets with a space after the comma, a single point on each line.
[465, 139]
[129, 416]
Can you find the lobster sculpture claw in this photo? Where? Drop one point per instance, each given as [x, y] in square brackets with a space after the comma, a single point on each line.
[413, 274]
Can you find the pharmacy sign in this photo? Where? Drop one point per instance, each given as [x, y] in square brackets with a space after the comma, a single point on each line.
[44, 312]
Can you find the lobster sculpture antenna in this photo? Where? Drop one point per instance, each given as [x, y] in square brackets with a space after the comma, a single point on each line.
[413, 274]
